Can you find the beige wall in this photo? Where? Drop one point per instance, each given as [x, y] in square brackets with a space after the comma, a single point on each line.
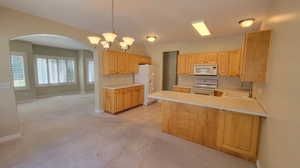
[13, 24]
[280, 137]
[204, 45]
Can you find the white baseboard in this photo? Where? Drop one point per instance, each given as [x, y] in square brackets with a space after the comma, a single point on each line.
[10, 137]
[258, 164]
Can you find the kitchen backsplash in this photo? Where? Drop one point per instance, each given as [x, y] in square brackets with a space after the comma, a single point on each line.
[118, 80]
[224, 82]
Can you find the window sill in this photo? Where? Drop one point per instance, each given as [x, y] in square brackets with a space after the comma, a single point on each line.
[21, 88]
[54, 85]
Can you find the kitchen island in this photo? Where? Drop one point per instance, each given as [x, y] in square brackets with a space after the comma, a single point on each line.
[228, 124]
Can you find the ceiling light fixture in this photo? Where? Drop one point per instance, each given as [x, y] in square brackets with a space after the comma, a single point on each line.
[111, 36]
[201, 28]
[151, 38]
[247, 22]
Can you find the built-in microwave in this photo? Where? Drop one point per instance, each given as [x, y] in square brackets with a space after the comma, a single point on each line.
[205, 69]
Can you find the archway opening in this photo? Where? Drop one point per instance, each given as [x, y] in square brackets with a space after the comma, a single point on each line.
[53, 76]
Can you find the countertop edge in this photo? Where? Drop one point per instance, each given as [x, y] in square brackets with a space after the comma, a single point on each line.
[210, 106]
[121, 87]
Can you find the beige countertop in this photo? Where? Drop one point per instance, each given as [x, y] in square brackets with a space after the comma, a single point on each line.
[226, 92]
[235, 104]
[121, 86]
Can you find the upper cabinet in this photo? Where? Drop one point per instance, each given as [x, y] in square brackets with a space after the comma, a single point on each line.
[228, 62]
[254, 56]
[115, 62]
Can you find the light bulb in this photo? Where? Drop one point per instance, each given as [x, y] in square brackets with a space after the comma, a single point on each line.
[94, 40]
[105, 44]
[109, 37]
[123, 45]
[128, 40]
[247, 22]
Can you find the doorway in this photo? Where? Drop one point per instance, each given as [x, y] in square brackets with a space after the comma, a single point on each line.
[169, 69]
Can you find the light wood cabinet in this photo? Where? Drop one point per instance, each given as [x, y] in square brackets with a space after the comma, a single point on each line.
[117, 100]
[181, 65]
[227, 61]
[143, 59]
[234, 63]
[223, 63]
[115, 62]
[239, 134]
[226, 131]
[183, 90]
[109, 65]
[254, 56]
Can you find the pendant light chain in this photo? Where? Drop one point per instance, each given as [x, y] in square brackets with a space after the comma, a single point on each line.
[110, 37]
[112, 16]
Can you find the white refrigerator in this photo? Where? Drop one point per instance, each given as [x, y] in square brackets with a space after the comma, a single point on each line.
[145, 76]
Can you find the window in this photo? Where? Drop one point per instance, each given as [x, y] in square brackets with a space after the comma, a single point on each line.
[18, 71]
[55, 70]
[90, 70]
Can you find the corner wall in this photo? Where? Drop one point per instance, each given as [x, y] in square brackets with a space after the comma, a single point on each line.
[280, 137]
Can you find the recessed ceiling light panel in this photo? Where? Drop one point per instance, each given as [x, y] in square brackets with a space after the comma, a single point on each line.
[201, 28]
[247, 22]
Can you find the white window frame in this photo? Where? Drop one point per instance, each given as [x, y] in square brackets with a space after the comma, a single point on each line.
[87, 71]
[25, 59]
[57, 58]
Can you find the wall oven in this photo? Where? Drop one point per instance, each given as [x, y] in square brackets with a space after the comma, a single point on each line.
[205, 69]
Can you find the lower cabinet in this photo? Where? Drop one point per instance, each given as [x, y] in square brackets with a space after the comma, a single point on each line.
[239, 134]
[183, 90]
[226, 131]
[117, 100]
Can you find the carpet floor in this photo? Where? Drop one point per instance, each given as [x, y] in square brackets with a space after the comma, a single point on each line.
[64, 132]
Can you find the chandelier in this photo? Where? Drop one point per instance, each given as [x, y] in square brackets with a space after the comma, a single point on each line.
[110, 37]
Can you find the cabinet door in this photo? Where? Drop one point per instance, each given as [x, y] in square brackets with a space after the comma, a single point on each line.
[181, 64]
[183, 90]
[128, 98]
[223, 63]
[211, 58]
[120, 94]
[135, 96]
[109, 62]
[238, 134]
[122, 63]
[132, 69]
[189, 64]
[108, 100]
[141, 94]
[198, 58]
[254, 56]
[234, 63]
[148, 60]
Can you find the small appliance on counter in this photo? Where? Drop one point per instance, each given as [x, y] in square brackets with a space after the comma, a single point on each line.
[205, 79]
[145, 76]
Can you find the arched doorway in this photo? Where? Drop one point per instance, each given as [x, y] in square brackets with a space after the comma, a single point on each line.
[53, 76]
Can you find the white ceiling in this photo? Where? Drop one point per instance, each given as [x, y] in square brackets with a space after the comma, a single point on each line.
[53, 41]
[170, 19]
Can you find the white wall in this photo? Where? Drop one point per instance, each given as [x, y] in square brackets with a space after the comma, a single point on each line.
[280, 136]
[203, 45]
